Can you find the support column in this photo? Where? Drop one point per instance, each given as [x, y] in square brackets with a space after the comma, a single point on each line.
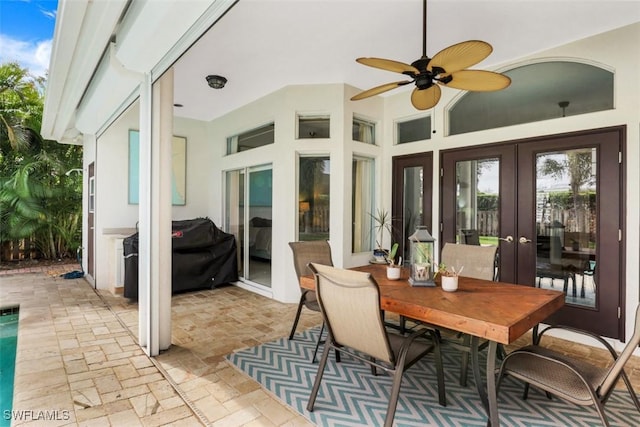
[154, 295]
[161, 202]
[145, 337]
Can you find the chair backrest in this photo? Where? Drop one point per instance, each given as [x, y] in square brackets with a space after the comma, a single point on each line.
[478, 261]
[350, 304]
[470, 237]
[614, 371]
[317, 251]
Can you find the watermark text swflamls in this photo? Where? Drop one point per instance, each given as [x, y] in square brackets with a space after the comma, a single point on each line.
[31, 415]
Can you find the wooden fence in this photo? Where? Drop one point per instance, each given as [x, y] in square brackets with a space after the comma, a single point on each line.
[488, 222]
[17, 250]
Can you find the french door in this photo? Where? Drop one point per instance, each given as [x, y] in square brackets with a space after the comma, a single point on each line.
[412, 197]
[553, 205]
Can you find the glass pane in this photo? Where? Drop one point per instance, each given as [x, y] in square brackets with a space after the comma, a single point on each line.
[566, 224]
[413, 130]
[92, 193]
[411, 205]
[363, 131]
[313, 127]
[477, 197]
[234, 212]
[263, 135]
[313, 197]
[259, 238]
[530, 98]
[362, 204]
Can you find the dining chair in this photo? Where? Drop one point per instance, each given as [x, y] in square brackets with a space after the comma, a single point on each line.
[589, 270]
[470, 236]
[576, 381]
[350, 304]
[477, 262]
[318, 251]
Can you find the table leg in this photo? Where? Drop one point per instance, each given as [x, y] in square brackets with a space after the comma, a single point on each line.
[488, 394]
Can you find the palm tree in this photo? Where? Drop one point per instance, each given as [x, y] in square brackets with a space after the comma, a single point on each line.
[37, 199]
[578, 166]
[20, 106]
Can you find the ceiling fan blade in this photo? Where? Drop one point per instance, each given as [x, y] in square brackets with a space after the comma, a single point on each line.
[425, 98]
[389, 65]
[379, 89]
[460, 56]
[478, 81]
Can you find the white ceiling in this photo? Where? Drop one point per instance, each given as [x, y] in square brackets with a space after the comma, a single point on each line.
[263, 45]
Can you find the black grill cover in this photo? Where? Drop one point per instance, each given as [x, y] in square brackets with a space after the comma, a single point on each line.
[203, 256]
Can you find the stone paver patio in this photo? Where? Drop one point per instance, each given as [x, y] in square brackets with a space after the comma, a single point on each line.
[78, 362]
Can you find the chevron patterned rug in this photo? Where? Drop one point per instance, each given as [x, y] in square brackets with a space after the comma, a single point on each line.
[351, 396]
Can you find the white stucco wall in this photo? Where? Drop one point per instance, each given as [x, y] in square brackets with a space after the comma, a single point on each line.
[283, 108]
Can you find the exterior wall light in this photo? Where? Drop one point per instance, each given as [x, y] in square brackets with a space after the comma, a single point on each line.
[216, 82]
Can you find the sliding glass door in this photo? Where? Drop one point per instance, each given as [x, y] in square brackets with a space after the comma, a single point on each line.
[248, 210]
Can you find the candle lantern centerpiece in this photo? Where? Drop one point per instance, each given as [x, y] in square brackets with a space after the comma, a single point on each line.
[422, 247]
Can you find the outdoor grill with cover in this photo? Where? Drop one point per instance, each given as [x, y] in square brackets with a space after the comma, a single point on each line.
[203, 257]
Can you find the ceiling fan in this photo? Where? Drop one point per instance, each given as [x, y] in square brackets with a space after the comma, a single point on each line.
[447, 68]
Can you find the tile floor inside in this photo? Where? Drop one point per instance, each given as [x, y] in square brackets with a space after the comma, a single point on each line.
[77, 356]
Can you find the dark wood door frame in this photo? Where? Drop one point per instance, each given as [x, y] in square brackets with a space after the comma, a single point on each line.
[506, 155]
[399, 163]
[610, 143]
[607, 318]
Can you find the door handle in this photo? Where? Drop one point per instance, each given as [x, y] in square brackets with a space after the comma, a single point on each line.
[507, 239]
[524, 240]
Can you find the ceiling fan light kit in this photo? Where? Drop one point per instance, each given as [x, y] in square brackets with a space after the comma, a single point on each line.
[447, 68]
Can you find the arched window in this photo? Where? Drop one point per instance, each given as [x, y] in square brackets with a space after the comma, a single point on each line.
[540, 91]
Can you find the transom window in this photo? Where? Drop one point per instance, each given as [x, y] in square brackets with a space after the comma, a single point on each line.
[258, 137]
[313, 126]
[541, 91]
[413, 130]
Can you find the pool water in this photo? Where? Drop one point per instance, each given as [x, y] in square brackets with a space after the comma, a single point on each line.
[8, 342]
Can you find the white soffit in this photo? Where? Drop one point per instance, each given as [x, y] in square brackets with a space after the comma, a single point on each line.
[150, 29]
[263, 45]
[82, 32]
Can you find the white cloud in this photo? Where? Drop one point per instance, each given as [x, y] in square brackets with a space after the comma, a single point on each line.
[33, 56]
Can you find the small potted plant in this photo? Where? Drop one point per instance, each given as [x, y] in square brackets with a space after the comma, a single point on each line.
[393, 269]
[449, 277]
[382, 223]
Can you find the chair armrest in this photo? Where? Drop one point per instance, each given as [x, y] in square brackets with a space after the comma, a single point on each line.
[596, 337]
[417, 334]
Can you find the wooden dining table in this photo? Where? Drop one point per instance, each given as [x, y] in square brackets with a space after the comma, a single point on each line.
[494, 311]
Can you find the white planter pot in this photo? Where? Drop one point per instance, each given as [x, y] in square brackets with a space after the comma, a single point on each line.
[449, 283]
[393, 273]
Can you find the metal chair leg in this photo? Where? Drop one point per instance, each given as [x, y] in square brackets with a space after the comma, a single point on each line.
[295, 321]
[313, 360]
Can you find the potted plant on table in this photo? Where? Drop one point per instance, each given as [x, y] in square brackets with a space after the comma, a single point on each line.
[382, 223]
[394, 269]
[448, 277]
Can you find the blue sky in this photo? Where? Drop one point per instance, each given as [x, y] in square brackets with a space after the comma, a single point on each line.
[26, 33]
